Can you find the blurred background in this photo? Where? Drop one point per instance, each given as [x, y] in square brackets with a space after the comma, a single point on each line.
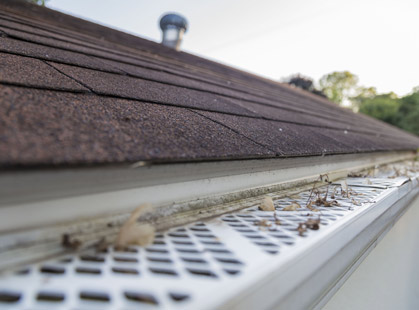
[361, 54]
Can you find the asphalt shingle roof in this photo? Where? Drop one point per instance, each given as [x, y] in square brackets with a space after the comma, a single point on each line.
[73, 92]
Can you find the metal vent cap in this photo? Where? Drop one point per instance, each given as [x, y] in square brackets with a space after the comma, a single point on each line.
[173, 20]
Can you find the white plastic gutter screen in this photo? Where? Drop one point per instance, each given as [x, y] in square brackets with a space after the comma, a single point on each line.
[191, 267]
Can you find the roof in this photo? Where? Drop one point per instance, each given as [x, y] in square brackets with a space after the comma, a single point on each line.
[74, 93]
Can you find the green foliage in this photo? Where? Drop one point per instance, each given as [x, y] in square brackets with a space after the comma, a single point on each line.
[409, 112]
[401, 112]
[339, 86]
[384, 107]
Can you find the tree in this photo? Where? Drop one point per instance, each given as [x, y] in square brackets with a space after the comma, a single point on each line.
[409, 112]
[339, 86]
[362, 94]
[301, 82]
[384, 107]
[401, 112]
[305, 83]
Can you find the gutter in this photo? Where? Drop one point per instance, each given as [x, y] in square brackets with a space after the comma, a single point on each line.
[62, 196]
[284, 271]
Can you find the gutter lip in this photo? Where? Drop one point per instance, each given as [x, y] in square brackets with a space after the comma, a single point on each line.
[65, 196]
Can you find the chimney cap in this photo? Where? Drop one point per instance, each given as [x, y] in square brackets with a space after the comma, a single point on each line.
[173, 20]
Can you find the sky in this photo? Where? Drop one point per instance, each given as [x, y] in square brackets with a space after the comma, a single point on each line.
[378, 40]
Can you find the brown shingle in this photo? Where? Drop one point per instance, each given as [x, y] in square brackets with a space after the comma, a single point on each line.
[48, 53]
[283, 138]
[135, 88]
[148, 102]
[33, 72]
[40, 127]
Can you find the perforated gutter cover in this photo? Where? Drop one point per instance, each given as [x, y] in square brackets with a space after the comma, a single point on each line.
[248, 259]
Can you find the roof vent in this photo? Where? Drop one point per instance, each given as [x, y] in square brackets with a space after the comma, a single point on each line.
[173, 27]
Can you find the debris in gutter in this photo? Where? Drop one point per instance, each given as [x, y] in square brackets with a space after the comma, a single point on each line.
[70, 243]
[356, 203]
[134, 233]
[277, 221]
[267, 204]
[263, 223]
[313, 224]
[101, 245]
[344, 186]
[311, 208]
[292, 207]
[301, 229]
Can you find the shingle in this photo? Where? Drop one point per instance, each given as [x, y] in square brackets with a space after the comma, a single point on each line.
[51, 42]
[54, 54]
[283, 138]
[24, 29]
[39, 127]
[285, 115]
[33, 72]
[135, 88]
[297, 140]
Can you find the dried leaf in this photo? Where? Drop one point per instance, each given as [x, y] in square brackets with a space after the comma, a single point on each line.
[263, 223]
[313, 224]
[267, 204]
[344, 185]
[301, 229]
[133, 233]
[70, 243]
[292, 207]
[356, 203]
[310, 207]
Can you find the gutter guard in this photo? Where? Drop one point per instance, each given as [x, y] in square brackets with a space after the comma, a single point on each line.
[228, 262]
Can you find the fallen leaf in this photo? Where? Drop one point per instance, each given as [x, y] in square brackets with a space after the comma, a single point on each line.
[292, 207]
[313, 224]
[70, 243]
[344, 185]
[310, 207]
[263, 223]
[301, 229]
[356, 203]
[267, 204]
[134, 233]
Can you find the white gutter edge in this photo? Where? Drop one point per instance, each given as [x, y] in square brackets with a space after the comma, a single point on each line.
[89, 193]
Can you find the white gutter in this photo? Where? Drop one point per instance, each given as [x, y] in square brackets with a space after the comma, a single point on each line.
[301, 273]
